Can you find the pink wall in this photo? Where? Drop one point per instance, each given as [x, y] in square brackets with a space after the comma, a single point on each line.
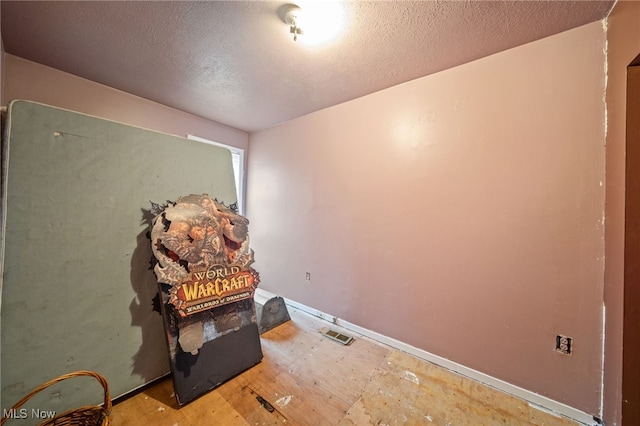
[31, 81]
[623, 38]
[460, 213]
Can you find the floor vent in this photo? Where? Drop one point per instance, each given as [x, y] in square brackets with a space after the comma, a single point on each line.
[338, 337]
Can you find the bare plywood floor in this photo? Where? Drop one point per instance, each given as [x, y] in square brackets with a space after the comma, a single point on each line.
[309, 379]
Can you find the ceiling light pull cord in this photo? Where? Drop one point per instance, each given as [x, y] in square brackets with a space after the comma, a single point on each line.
[291, 18]
[295, 31]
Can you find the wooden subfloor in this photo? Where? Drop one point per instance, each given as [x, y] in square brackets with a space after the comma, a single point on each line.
[309, 379]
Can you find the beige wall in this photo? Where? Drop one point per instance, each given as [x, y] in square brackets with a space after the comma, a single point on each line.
[35, 82]
[623, 38]
[460, 213]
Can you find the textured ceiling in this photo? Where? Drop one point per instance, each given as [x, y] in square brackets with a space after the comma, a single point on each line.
[236, 63]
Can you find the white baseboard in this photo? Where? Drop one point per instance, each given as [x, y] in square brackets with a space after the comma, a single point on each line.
[535, 400]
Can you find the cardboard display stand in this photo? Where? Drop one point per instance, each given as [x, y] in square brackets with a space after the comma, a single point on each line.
[202, 263]
[271, 312]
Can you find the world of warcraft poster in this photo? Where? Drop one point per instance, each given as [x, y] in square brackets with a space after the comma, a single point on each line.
[202, 262]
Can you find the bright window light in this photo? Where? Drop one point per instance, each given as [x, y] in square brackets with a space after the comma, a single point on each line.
[237, 159]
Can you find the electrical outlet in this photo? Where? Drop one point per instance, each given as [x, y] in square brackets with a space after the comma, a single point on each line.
[564, 344]
[307, 276]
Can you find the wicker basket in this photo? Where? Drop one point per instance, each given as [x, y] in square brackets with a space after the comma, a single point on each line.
[83, 416]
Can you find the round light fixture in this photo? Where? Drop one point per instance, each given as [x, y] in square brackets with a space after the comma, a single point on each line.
[317, 22]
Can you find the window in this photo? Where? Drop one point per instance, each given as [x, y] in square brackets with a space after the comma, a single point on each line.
[237, 158]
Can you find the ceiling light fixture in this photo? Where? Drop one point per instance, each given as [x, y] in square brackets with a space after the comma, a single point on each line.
[316, 21]
[292, 18]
